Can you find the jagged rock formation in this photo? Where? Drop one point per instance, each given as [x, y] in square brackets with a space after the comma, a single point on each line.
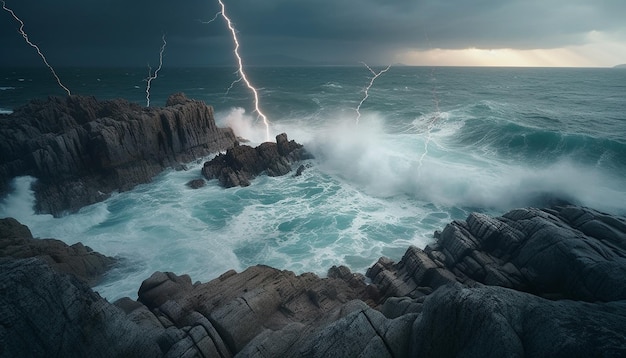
[491, 321]
[43, 313]
[561, 253]
[46, 314]
[527, 278]
[242, 163]
[81, 149]
[541, 283]
[16, 241]
[232, 310]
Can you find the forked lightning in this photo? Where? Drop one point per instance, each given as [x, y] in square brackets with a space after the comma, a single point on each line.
[376, 75]
[429, 127]
[156, 72]
[25, 36]
[242, 73]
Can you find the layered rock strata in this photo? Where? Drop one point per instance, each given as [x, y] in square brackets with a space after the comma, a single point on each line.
[81, 149]
[560, 253]
[541, 283]
[242, 163]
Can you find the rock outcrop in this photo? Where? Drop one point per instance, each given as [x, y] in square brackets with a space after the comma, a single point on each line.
[81, 149]
[237, 308]
[560, 253]
[242, 163]
[541, 283]
[16, 241]
[47, 314]
[491, 321]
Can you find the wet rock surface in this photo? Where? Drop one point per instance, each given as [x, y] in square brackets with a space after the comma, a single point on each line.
[242, 163]
[81, 149]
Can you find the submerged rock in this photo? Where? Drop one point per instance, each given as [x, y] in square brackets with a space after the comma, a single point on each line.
[196, 183]
[242, 163]
[81, 149]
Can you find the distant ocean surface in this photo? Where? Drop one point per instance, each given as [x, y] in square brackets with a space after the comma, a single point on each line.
[431, 146]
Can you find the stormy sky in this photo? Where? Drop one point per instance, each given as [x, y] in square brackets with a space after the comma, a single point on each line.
[581, 33]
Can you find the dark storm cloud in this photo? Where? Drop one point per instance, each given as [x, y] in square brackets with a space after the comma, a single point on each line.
[107, 32]
[117, 31]
[448, 24]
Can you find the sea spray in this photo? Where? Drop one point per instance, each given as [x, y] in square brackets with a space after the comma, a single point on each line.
[308, 223]
[361, 197]
[244, 125]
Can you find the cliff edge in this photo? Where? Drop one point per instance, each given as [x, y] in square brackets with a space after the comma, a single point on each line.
[81, 149]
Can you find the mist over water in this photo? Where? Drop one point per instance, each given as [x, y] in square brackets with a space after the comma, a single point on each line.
[498, 139]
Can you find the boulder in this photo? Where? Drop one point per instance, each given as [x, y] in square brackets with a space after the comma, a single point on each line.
[196, 183]
[81, 149]
[242, 163]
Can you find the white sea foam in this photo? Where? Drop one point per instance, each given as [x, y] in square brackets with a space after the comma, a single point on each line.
[387, 165]
[362, 197]
[333, 85]
[19, 203]
[243, 124]
[308, 223]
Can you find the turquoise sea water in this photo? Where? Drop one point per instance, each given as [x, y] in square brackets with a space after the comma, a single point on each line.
[432, 145]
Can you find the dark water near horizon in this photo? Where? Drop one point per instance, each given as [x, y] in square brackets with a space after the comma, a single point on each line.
[432, 145]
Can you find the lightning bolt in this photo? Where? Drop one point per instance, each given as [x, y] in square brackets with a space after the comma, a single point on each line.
[430, 126]
[239, 79]
[242, 74]
[231, 87]
[376, 75]
[25, 36]
[156, 72]
[213, 19]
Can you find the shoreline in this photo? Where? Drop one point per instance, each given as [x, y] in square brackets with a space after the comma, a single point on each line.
[525, 265]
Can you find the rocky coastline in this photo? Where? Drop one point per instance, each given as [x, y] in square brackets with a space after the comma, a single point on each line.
[540, 282]
[81, 149]
[534, 282]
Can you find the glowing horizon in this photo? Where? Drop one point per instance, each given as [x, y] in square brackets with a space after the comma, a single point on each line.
[599, 50]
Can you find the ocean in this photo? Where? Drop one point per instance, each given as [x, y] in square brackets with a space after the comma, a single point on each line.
[431, 145]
